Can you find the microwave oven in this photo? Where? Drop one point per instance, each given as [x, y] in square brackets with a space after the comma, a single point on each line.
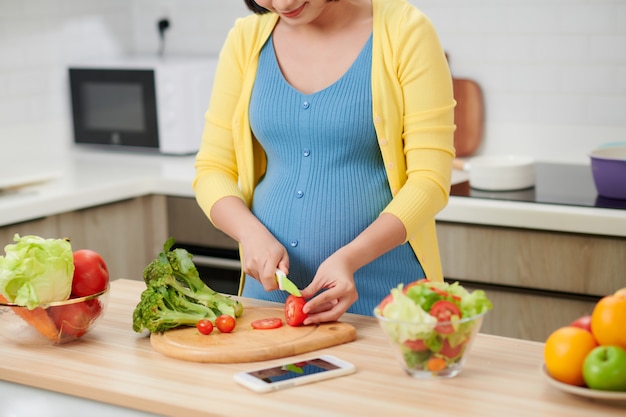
[141, 103]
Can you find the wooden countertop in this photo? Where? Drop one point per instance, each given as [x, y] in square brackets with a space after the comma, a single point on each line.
[114, 365]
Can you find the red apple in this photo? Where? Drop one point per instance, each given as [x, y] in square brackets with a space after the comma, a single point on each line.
[583, 322]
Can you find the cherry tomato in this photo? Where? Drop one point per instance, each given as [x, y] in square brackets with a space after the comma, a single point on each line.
[444, 310]
[90, 273]
[294, 316]
[204, 326]
[225, 323]
[266, 324]
[71, 319]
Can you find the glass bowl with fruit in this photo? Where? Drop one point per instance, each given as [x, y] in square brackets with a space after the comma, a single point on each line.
[53, 323]
[49, 294]
[431, 326]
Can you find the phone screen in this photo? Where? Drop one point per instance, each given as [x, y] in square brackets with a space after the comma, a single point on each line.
[293, 370]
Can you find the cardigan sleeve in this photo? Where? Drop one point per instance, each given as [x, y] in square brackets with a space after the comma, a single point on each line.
[420, 167]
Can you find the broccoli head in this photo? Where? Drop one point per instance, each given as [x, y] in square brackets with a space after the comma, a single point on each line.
[175, 295]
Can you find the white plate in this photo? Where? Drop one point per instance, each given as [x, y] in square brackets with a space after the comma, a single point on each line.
[583, 392]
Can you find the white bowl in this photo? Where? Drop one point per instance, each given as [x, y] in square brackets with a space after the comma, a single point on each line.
[501, 172]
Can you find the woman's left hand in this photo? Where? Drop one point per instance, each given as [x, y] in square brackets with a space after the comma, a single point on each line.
[337, 279]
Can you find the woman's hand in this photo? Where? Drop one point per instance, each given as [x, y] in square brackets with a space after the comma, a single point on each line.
[336, 277]
[336, 273]
[262, 253]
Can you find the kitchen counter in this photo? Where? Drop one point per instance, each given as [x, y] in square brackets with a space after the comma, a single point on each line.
[115, 367]
[80, 178]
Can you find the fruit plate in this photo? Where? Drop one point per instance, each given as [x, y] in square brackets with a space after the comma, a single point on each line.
[594, 394]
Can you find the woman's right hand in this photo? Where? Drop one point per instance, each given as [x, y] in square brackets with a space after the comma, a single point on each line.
[261, 252]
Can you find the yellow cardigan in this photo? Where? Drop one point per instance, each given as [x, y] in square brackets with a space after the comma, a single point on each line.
[413, 114]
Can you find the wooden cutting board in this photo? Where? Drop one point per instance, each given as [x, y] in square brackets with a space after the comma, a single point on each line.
[469, 116]
[246, 344]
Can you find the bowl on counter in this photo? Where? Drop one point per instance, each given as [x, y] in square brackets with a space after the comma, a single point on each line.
[608, 166]
[499, 172]
[442, 355]
[54, 323]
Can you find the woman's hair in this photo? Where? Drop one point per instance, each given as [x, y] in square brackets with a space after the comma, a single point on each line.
[255, 7]
[258, 9]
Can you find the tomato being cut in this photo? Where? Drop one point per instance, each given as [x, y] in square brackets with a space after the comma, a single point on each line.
[444, 311]
[90, 273]
[225, 323]
[266, 324]
[294, 316]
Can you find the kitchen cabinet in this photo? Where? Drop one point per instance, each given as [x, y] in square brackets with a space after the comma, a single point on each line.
[128, 234]
[538, 280]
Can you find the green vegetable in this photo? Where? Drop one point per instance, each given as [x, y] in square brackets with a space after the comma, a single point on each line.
[175, 295]
[36, 271]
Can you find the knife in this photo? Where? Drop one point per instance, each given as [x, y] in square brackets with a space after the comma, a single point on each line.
[286, 285]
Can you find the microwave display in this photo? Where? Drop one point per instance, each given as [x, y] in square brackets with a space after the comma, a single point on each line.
[114, 107]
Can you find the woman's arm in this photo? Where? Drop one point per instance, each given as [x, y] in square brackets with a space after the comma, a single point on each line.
[261, 252]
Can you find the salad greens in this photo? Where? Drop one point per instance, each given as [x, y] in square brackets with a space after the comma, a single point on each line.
[431, 320]
[36, 271]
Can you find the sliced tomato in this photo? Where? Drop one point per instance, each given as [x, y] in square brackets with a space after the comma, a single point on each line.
[294, 316]
[444, 311]
[417, 345]
[449, 351]
[268, 323]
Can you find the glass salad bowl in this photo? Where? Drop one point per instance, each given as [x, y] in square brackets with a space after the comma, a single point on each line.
[54, 323]
[431, 326]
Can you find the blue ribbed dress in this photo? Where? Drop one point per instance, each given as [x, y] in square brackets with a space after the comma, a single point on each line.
[325, 180]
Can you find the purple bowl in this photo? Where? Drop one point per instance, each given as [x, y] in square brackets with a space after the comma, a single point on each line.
[608, 166]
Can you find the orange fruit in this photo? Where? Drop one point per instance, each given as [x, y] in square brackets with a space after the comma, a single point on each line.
[565, 351]
[608, 321]
[620, 293]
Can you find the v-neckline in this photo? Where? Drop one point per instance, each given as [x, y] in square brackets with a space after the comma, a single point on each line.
[352, 65]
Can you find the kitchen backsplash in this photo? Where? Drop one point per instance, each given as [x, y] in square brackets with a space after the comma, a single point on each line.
[553, 72]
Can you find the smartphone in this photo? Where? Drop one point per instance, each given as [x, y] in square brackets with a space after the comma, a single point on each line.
[294, 373]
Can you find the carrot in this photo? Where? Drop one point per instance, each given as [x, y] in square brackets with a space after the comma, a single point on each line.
[38, 318]
[436, 364]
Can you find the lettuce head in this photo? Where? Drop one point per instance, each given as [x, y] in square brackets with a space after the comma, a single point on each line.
[36, 271]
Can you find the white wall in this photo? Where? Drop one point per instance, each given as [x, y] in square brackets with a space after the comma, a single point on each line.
[553, 71]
